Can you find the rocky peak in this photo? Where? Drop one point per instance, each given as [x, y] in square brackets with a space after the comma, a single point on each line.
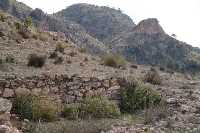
[149, 26]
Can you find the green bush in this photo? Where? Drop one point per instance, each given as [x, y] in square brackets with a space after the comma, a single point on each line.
[35, 108]
[153, 77]
[98, 107]
[136, 96]
[36, 60]
[114, 60]
[28, 22]
[92, 107]
[71, 111]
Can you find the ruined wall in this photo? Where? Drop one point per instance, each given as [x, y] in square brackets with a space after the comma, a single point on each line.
[69, 89]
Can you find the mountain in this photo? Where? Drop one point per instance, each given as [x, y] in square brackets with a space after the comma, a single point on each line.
[144, 43]
[104, 23]
[17, 9]
[149, 44]
[73, 31]
[102, 29]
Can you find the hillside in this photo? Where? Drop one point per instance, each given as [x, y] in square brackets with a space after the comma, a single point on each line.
[17, 9]
[100, 30]
[49, 84]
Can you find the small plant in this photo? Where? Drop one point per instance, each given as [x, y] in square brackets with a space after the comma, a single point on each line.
[153, 77]
[114, 61]
[60, 47]
[71, 111]
[36, 60]
[10, 59]
[53, 55]
[28, 22]
[58, 60]
[43, 37]
[136, 96]
[35, 108]
[98, 107]
[2, 17]
[92, 107]
[82, 50]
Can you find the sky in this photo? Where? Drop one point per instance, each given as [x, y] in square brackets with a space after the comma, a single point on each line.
[180, 17]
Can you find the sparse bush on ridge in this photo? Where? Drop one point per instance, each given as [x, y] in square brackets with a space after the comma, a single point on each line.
[114, 60]
[36, 60]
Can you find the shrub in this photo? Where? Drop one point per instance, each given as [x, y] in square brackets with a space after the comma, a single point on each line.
[82, 50]
[153, 77]
[71, 111]
[36, 60]
[136, 96]
[35, 108]
[92, 107]
[10, 59]
[98, 107]
[53, 55]
[114, 60]
[60, 47]
[58, 60]
[28, 22]
[2, 17]
[43, 36]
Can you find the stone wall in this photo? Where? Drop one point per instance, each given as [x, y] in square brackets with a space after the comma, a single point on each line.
[68, 89]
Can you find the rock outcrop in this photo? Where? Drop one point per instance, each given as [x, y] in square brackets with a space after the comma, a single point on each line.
[5, 124]
[149, 26]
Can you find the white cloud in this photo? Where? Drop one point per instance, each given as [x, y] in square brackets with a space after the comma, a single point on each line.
[176, 16]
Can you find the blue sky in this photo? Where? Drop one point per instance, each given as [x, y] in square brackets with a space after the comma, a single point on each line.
[181, 17]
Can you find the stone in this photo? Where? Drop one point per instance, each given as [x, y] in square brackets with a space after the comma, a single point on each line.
[114, 88]
[8, 93]
[36, 91]
[22, 91]
[68, 99]
[5, 105]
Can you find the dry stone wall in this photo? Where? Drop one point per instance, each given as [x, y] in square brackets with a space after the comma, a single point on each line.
[68, 89]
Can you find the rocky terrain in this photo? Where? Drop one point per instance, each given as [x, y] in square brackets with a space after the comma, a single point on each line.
[70, 63]
[103, 29]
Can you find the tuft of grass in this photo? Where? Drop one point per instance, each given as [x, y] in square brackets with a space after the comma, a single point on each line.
[71, 111]
[99, 107]
[114, 60]
[92, 107]
[60, 47]
[35, 107]
[153, 77]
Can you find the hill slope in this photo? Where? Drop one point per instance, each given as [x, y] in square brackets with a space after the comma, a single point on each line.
[99, 28]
